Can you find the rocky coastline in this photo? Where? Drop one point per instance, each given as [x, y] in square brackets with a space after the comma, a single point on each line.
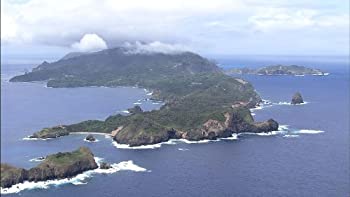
[55, 166]
[201, 102]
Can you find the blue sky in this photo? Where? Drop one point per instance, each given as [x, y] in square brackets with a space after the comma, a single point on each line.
[221, 27]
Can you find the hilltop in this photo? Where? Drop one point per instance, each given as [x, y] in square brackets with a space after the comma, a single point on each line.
[201, 101]
[55, 166]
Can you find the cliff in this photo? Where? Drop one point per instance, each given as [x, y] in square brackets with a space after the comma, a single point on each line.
[199, 98]
[56, 166]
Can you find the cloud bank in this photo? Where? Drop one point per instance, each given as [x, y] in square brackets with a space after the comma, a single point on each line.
[155, 47]
[220, 26]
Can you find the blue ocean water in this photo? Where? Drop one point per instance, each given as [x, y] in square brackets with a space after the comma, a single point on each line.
[306, 165]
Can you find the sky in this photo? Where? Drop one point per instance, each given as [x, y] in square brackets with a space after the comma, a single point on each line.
[51, 28]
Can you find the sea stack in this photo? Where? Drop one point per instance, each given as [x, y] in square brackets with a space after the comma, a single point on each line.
[297, 99]
[105, 165]
[90, 138]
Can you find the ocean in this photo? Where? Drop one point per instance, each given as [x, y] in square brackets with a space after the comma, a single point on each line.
[309, 156]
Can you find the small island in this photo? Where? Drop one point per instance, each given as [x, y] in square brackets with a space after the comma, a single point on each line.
[201, 102]
[90, 138]
[55, 166]
[278, 70]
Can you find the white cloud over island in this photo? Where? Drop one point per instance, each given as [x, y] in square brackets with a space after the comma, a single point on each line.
[212, 27]
[155, 47]
[90, 43]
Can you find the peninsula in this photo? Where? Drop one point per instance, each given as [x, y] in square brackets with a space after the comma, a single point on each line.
[278, 70]
[55, 166]
[201, 102]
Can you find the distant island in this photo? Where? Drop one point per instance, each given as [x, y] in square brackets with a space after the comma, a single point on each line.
[278, 70]
[201, 102]
[55, 166]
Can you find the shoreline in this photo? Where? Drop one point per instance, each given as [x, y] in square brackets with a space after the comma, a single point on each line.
[79, 179]
[283, 130]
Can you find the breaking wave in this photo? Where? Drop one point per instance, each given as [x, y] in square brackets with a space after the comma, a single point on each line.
[308, 131]
[290, 136]
[288, 103]
[80, 179]
[267, 103]
[37, 159]
[281, 130]
[125, 111]
[96, 140]
[34, 139]
[171, 142]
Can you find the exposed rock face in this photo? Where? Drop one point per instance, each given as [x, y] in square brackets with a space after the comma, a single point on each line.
[53, 132]
[11, 175]
[239, 120]
[90, 138]
[201, 102]
[144, 139]
[105, 165]
[56, 166]
[135, 110]
[297, 99]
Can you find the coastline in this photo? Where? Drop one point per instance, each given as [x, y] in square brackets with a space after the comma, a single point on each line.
[282, 129]
[79, 179]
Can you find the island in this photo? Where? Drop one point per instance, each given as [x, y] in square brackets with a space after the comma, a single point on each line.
[55, 166]
[201, 102]
[278, 70]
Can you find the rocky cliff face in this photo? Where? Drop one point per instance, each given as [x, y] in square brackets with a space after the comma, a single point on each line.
[52, 132]
[238, 120]
[90, 138]
[56, 166]
[11, 175]
[297, 99]
[200, 101]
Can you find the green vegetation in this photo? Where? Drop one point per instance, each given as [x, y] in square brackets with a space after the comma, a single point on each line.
[277, 70]
[52, 132]
[199, 97]
[67, 158]
[60, 165]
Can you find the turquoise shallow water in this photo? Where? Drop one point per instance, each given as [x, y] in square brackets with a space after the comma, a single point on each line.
[304, 165]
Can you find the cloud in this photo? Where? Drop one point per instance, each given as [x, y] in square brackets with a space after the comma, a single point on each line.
[289, 19]
[206, 26]
[90, 43]
[155, 47]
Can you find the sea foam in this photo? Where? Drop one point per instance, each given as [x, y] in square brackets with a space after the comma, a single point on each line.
[290, 136]
[80, 179]
[37, 159]
[308, 131]
[34, 139]
[96, 140]
[171, 142]
[267, 103]
[282, 129]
